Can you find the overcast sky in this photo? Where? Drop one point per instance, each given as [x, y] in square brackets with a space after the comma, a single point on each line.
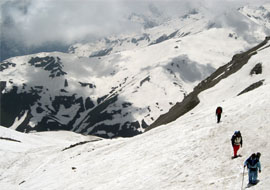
[39, 21]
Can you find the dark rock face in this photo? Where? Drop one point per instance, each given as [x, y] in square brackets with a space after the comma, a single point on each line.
[88, 103]
[101, 53]
[257, 69]
[66, 101]
[65, 112]
[66, 83]
[3, 85]
[14, 104]
[252, 87]
[6, 65]
[160, 39]
[84, 84]
[147, 79]
[94, 123]
[164, 37]
[26, 100]
[41, 108]
[54, 66]
[192, 100]
[137, 40]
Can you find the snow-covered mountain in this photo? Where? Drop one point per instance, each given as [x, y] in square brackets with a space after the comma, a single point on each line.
[120, 85]
[193, 152]
[189, 24]
[259, 15]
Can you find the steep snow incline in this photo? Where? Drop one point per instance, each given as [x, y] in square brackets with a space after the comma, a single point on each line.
[194, 152]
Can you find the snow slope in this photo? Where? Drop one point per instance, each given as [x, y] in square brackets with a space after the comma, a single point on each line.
[193, 152]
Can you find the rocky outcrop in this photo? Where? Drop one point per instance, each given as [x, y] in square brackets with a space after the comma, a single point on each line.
[6, 65]
[257, 69]
[15, 104]
[9, 139]
[251, 87]
[101, 52]
[164, 38]
[51, 64]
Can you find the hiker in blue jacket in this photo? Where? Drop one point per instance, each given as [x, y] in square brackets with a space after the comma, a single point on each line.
[253, 164]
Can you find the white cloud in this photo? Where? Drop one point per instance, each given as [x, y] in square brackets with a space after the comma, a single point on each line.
[39, 21]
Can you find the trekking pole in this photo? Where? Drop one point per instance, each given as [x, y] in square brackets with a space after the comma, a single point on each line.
[243, 178]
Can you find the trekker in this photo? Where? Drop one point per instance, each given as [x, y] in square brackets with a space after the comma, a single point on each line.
[218, 113]
[253, 164]
[237, 141]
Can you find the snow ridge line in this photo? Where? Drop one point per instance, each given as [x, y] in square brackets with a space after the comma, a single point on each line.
[80, 143]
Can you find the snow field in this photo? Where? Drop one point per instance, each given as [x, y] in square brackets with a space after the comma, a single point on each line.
[191, 153]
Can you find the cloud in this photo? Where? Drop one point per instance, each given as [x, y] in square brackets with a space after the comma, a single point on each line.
[34, 22]
[38, 21]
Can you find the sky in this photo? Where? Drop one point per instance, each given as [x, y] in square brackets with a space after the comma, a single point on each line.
[34, 22]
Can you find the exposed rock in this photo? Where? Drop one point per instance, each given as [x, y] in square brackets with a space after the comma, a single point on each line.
[22, 182]
[126, 104]
[88, 103]
[144, 124]
[15, 104]
[84, 84]
[164, 37]
[3, 85]
[101, 52]
[252, 87]
[79, 143]
[49, 64]
[144, 80]
[66, 83]
[39, 110]
[101, 99]
[6, 65]
[144, 37]
[257, 69]
[9, 139]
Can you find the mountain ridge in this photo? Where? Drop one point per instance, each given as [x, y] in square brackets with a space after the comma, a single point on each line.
[109, 92]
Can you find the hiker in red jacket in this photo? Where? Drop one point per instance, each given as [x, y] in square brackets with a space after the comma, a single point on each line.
[218, 113]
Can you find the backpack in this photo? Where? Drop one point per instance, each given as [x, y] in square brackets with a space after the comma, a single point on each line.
[252, 162]
[219, 110]
[235, 135]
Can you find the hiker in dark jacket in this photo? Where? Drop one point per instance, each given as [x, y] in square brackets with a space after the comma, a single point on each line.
[218, 113]
[237, 141]
[253, 164]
